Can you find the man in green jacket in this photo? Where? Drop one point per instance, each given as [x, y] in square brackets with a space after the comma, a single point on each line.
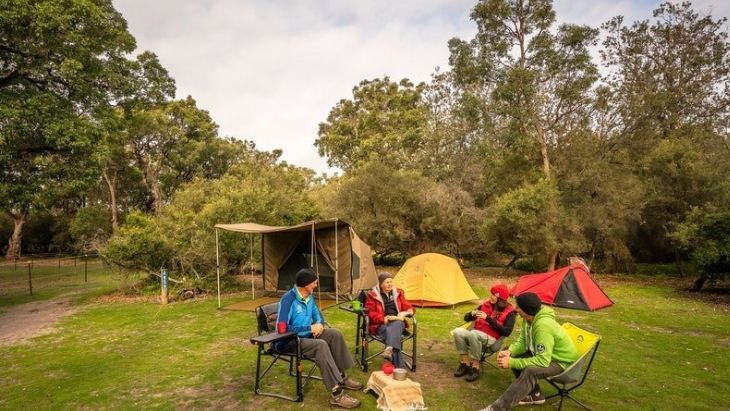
[543, 350]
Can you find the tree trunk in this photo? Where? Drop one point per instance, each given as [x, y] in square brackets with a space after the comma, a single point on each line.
[543, 144]
[678, 261]
[112, 184]
[514, 260]
[699, 283]
[14, 243]
[552, 257]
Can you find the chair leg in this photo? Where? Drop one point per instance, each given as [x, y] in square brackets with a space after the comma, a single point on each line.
[563, 394]
[260, 375]
[364, 354]
[578, 402]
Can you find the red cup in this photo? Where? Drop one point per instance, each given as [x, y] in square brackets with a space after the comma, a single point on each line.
[388, 368]
[281, 327]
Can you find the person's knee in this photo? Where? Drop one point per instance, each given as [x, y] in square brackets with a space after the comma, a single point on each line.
[532, 372]
[318, 344]
[335, 333]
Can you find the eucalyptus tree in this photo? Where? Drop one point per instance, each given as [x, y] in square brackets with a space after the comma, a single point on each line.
[58, 61]
[383, 121]
[454, 150]
[671, 79]
[183, 239]
[401, 211]
[538, 79]
[163, 140]
[145, 84]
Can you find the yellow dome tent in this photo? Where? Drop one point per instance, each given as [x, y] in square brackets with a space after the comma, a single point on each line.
[433, 280]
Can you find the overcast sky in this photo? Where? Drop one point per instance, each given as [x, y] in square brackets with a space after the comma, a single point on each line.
[270, 71]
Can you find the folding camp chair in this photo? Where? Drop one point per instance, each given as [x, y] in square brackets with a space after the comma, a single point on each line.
[363, 338]
[573, 377]
[489, 350]
[266, 324]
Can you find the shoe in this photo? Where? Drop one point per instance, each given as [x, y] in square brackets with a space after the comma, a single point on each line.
[462, 371]
[535, 398]
[473, 374]
[345, 401]
[388, 353]
[351, 384]
[489, 408]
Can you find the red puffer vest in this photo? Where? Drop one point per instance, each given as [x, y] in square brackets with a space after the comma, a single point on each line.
[483, 325]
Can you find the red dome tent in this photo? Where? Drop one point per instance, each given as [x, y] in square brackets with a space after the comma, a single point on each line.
[568, 287]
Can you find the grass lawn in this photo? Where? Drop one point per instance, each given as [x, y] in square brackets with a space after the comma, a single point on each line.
[662, 349]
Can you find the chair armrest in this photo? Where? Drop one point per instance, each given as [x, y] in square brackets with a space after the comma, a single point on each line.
[349, 309]
[272, 337]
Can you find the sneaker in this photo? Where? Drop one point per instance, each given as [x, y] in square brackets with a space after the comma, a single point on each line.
[351, 384]
[489, 408]
[533, 399]
[345, 401]
[388, 353]
[473, 374]
[462, 371]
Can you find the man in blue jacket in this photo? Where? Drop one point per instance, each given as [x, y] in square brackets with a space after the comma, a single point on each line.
[325, 345]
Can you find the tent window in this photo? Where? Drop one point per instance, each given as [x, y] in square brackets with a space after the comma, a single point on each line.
[355, 266]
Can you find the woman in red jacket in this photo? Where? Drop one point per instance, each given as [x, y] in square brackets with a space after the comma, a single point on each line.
[387, 310]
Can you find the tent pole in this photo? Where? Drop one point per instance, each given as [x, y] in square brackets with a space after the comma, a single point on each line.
[218, 268]
[337, 267]
[312, 260]
[250, 243]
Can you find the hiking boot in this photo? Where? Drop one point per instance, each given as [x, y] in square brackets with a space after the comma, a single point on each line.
[535, 398]
[462, 371]
[388, 353]
[351, 384]
[345, 401]
[473, 374]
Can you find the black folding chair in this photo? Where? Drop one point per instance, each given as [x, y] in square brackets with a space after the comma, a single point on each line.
[363, 337]
[266, 341]
[489, 350]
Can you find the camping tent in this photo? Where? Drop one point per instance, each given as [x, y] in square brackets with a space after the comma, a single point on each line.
[569, 287]
[331, 247]
[433, 280]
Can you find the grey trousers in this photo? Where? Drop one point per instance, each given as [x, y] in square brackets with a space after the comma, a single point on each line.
[392, 334]
[471, 341]
[331, 355]
[526, 383]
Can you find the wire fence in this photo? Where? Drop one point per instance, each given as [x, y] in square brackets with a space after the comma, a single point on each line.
[32, 274]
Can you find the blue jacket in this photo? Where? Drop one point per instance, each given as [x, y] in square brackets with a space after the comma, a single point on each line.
[299, 314]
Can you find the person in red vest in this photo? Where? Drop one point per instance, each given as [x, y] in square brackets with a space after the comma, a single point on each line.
[494, 318]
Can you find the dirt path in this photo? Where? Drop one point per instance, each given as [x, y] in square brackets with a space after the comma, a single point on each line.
[22, 322]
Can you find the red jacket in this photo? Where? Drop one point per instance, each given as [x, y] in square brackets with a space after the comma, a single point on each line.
[376, 307]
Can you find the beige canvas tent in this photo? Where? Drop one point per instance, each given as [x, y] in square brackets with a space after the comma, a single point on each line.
[433, 280]
[331, 247]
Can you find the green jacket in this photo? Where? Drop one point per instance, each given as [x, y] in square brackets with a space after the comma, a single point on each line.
[547, 341]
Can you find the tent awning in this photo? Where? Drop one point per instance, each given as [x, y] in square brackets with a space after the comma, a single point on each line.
[262, 229]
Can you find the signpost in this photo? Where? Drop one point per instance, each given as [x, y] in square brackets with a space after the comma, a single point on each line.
[164, 286]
